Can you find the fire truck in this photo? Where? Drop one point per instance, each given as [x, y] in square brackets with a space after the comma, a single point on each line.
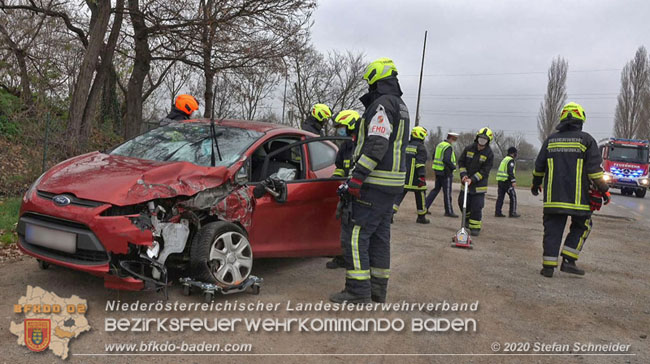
[625, 162]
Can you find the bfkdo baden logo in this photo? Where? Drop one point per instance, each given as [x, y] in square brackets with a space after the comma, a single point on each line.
[37, 334]
[50, 321]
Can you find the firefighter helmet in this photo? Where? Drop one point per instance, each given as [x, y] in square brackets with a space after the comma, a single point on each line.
[573, 111]
[186, 103]
[321, 112]
[379, 69]
[419, 132]
[347, 118]
[486, 132]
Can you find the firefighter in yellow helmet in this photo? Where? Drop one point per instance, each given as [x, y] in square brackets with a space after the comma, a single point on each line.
[416, 158]
[568, 166]
[345, 124]
[318, 116]
[184, 106]
[474, 165]
[376, 179]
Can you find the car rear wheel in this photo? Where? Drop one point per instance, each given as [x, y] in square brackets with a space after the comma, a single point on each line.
[222, 254]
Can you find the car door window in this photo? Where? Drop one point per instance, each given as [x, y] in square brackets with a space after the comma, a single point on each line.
[321, 155]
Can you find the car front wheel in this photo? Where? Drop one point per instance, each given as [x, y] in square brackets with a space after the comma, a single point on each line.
[222, 254]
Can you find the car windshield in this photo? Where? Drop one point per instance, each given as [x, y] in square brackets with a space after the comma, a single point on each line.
[189, 142]
[628, 154]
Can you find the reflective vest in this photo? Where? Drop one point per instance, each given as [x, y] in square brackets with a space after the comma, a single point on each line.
[438, 163]
[502, 174]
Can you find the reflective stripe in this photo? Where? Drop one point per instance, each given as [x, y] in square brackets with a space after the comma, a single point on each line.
[565, 205]
[549, 183]
[568, 145]
[549, 261]
[355, 247]
[475, 224]
[462, 169]
[480, 189]
[379, 272]
[578, 193]
[419, 165]
[346, 163]
[478, 175]
[397, 146]
[413, 150]
[597, 175]
[362, 138]
[539, 174]
[482, 158]
[395, 207]
[367, 162]
[438, 159]
[412, 175]
[384, 182]
[339, 172]
[424, 202]
[470, 154]
[388, 174]
[360, 275]
[570, 252]
[585, 234]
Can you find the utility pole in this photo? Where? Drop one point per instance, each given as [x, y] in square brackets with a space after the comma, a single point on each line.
[417, 107]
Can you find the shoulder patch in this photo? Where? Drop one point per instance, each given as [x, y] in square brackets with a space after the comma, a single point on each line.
[380, 124]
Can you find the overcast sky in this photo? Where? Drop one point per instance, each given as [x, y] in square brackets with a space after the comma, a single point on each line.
[486, 61]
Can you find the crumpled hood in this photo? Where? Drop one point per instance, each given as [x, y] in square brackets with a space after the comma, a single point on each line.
[125, 181]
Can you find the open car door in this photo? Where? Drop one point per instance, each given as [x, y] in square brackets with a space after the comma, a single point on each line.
[305, 223]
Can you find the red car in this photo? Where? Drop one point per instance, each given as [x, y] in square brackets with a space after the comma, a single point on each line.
[185, 196]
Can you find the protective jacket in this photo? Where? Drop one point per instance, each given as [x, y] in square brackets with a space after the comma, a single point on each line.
[174, 115]
[382, 139]
[416, 157]
[476, 164]
[506, 171]
[565, 166]
[444, 159]
[343, 160]
[312, 125]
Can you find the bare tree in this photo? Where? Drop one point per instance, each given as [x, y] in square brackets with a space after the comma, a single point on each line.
[635, 84]
[550, 109]
[252, 87]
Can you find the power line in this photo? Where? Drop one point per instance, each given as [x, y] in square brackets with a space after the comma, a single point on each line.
[509, 73]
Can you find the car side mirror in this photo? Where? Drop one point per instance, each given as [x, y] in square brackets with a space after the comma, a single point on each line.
[274, 187]
[241, 177]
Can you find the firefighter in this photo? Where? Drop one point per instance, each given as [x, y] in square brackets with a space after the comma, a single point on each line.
[474, 164]
[568, 164]
[320, 113]
[184, 106]
[345, 123]
[507, 183]
[376, 179]
[416, 157]
[444, 164]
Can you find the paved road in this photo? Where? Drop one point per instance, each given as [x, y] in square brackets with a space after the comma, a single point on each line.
[629, 206]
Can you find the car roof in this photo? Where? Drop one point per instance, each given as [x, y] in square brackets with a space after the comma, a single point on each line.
[259, 126]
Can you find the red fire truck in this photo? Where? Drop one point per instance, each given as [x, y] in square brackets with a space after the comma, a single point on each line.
[625, 162]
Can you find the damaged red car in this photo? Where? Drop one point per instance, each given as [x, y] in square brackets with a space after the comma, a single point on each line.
[198, 197]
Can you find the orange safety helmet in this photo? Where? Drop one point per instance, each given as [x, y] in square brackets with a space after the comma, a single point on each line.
[187, 104]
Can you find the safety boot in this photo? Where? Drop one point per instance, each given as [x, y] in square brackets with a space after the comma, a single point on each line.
[336, 262]
[474, 232]
[498, 214]
[547, 272]
[422, 219]
[345, 296]
[569, 266]
[450, 214]
[514, 214]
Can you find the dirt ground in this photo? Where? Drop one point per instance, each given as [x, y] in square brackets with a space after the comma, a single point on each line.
[608, 305]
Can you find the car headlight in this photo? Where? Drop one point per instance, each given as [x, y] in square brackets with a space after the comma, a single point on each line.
[644, 181]
[32, 188]
[607, 177]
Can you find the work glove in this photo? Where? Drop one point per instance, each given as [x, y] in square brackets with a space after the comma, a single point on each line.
[595, 200]
[607, 198]
[422, 182]
[354, 187]
[535, 190]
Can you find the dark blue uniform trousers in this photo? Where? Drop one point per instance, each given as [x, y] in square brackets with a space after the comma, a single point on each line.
[442, 183]
[366, 235]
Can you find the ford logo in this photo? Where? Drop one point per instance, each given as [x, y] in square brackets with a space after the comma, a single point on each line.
[61, 200]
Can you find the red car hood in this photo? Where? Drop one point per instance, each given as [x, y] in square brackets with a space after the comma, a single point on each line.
[125, 181]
